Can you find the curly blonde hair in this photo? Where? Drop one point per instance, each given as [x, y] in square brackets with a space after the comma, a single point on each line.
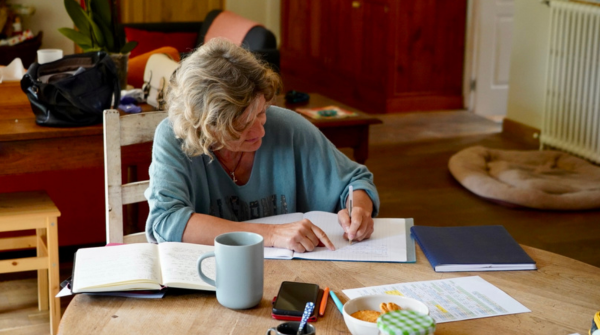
[210, 91]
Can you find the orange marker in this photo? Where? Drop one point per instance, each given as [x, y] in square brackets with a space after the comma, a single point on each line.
[324, 301]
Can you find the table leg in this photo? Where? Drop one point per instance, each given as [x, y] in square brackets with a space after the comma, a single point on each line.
[53, 274]
[42, 278]
[361, 150]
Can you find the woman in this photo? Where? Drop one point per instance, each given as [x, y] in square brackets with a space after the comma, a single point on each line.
[224, 156]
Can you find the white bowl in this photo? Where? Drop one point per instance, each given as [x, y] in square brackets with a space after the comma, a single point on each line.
[372, 302]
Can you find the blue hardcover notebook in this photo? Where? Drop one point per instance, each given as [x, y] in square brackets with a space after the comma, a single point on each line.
[471, 248]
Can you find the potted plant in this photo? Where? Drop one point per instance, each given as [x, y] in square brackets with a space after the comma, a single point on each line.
[97, 30]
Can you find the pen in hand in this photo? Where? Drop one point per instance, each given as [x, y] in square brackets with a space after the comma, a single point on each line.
[350, 204]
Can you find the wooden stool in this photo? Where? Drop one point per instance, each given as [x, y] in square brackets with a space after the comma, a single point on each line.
[27, 211]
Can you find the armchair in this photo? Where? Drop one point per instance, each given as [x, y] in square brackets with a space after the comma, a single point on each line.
[249, 34]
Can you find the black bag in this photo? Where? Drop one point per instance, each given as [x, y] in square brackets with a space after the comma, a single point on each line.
[72, 91]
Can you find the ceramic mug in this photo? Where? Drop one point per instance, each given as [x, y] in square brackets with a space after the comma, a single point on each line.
[239, 264]
[49, 55]
[291, 328]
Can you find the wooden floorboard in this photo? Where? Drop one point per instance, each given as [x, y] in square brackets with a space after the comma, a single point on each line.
[408, 156]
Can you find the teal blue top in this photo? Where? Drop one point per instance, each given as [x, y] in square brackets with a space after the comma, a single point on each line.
[296, 169]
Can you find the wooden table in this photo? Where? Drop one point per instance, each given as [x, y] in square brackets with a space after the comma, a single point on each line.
[26, 147]
[563, 295]
[351, 132]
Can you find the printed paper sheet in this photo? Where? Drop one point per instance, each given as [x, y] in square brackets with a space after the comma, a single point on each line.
[451, 299]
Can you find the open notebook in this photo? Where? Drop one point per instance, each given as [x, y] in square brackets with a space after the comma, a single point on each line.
[140, 266]
[391, 241]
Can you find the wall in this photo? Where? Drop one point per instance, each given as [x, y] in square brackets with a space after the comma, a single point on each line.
[48, 17]
[267, 12]
[529, 63]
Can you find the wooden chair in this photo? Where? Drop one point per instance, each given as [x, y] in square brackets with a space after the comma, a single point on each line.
[28, 211]
[121, 131]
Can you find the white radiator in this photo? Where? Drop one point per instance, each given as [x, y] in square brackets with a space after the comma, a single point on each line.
[571, 119]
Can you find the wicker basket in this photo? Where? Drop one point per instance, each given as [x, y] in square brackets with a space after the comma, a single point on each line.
[27, 51]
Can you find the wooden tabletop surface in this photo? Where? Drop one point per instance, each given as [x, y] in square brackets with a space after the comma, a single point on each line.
[318, 100]
[563, 295]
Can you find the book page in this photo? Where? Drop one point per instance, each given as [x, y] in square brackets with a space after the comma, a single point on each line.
[451, 299]
[386, 244]
[179, 265]
[114, 268]
[278, 253]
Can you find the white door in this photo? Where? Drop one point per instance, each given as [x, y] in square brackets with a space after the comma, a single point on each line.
[493, 42]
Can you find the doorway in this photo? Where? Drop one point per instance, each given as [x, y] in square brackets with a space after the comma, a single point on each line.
[487, 65]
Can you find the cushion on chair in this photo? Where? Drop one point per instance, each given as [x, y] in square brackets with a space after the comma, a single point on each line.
[241, 31]
[231, 26]
[535, 179]
[137, 65]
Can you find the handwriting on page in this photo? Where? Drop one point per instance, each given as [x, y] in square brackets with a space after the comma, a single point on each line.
[178, 261]
[98, 266]
[388, 241]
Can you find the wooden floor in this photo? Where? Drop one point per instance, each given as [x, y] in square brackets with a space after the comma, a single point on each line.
[408, 156]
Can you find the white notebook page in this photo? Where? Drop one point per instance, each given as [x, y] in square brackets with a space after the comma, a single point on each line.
[95, 267]
[178, 262]
[387, 243]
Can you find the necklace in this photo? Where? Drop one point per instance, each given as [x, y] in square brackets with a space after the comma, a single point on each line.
[232, 172]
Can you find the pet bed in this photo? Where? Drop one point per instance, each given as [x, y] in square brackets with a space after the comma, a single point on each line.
[536, 179]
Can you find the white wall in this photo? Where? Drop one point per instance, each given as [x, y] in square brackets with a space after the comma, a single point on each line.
[266, 12]
[529, 63]
[48, 17]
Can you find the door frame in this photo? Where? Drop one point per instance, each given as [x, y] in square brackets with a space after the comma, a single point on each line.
[470, 63]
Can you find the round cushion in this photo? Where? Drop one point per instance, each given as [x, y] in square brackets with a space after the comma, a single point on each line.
[535, 179]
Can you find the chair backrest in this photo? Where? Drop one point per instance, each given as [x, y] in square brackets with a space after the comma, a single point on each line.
[243, 32]
[121, 131]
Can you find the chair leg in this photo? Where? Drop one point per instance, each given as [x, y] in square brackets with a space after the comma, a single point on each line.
[43, 292]
[53, 272]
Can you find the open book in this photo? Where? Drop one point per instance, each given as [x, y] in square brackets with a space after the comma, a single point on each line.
[141, 266]
[391, 241]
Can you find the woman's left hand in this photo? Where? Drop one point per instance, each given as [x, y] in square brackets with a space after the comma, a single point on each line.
[362, 225]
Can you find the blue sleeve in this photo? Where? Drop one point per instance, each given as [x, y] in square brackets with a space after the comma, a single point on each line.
[169, 194]
[324, 172]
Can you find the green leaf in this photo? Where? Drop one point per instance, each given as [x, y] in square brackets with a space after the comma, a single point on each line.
[98, 35]
[78, 16]
[128, 47]
[109, 41]
[101, 9]
[84, 41]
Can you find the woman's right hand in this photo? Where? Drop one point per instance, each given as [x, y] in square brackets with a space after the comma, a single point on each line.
[300, 236]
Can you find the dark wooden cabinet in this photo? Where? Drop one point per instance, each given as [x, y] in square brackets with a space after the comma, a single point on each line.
[379, 56]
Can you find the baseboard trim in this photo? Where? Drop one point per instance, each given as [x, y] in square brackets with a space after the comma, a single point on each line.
[521, 132]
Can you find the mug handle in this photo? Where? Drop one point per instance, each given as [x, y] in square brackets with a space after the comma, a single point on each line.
[199, 264]
[269, 330]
